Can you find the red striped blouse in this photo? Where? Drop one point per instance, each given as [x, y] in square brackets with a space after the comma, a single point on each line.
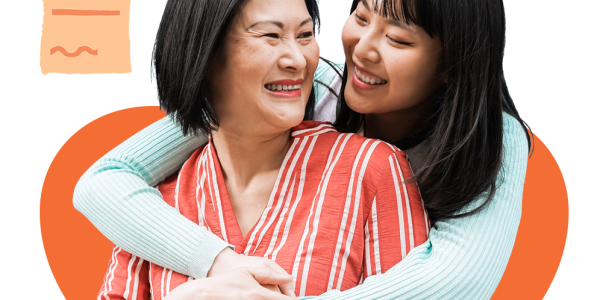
[341, 210]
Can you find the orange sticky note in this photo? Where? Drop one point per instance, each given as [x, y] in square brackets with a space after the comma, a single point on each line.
[85, 37]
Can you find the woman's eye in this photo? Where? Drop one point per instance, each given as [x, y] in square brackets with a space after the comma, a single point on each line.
[305, 35]
[398, 42]
[360, 19]
[272, 35]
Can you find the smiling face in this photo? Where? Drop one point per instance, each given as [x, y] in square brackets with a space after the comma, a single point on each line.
[392, 66]
[265, 79]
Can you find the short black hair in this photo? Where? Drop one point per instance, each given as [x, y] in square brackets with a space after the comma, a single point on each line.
[190, 35]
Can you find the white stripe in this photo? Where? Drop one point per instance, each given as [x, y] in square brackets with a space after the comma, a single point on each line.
[203, 200]
[177, 186]
[112, 274]
[315, 229]
[411, 236]
[285, 207]
[376, 252]
[162, 283]
[394, 148]
[400, 210]
[298, 198]
[112, 257]
[131, 261]
[271, 198]
[200, 184]
[323, 131]
[169, 282]
[357, 196]
[217, 197]
[299, 132]
[137, 279]
[280, 220]
[207, 170]
[342, 230]
[307, 225]
[263, 217]
[150, 279]
[367, 249]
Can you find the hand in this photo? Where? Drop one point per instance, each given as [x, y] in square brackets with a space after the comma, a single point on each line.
[240, 283]
[228, 260]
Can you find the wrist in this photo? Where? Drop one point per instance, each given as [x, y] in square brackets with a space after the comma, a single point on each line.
[224, 261]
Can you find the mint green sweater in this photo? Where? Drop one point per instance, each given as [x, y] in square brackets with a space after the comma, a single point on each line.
[463, 258]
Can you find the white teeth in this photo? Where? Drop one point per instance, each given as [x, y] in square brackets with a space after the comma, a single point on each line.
[283, 87]
[367, 79]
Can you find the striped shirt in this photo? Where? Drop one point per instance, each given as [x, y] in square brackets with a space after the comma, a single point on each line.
[341, 210]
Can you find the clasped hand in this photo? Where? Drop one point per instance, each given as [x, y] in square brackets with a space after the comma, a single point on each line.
[235, 276]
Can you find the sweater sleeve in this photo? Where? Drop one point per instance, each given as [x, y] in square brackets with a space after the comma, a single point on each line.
[116, 195]
[463, 258]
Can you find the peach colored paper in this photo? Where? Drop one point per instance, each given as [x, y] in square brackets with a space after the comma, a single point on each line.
[85, 37]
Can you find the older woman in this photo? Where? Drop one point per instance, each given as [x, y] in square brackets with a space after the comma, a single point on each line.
[331, 209]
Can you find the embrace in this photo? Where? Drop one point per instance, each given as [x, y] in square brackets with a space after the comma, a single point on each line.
[395, 175]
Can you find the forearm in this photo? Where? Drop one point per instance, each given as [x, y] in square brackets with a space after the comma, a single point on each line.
[114, 194]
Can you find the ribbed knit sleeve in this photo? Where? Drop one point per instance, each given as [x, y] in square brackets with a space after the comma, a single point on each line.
[463, 258]
[116, 195]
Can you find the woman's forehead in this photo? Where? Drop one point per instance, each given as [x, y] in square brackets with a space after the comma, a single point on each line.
[276, 12]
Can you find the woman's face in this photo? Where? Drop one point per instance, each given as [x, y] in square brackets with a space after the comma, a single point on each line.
[391, 66]
[265, 78]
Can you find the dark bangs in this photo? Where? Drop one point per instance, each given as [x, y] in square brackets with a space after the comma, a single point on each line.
[420, 13]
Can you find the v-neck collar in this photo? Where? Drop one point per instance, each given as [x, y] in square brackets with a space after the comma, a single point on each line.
[232, 226]
[233, 234]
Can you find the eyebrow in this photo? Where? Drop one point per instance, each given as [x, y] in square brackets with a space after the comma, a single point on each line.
[390, 20]
[276, 23]
[400, 24]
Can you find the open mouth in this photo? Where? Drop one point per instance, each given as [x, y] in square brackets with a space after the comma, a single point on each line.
[368, 80]
[287, 88]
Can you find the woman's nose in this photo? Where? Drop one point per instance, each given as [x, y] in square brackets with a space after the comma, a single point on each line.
[292, 58]
[366, 48]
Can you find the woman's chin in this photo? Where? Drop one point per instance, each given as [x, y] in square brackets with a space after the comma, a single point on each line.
[357, 103]
[359, 106]
[287, 120]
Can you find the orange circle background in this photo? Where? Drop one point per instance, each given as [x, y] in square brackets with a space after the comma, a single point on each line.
[78, 253]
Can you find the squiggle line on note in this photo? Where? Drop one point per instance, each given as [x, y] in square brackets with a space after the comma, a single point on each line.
[74, 54]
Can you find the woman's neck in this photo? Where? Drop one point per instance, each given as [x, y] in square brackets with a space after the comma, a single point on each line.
[244, 157]
[394, 126]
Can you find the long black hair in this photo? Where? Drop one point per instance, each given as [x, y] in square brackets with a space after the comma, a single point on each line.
[191, 35]
[464, 157]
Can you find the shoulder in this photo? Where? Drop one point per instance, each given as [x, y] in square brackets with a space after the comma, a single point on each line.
[514, 136]
[328, 71]
[326, 75]
[515, 153]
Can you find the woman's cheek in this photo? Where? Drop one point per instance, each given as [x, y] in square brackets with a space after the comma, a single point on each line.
[348, 37]
[313, 58]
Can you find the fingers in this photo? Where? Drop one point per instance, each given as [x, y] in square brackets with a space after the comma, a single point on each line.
[286, 288]
[267, 275]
